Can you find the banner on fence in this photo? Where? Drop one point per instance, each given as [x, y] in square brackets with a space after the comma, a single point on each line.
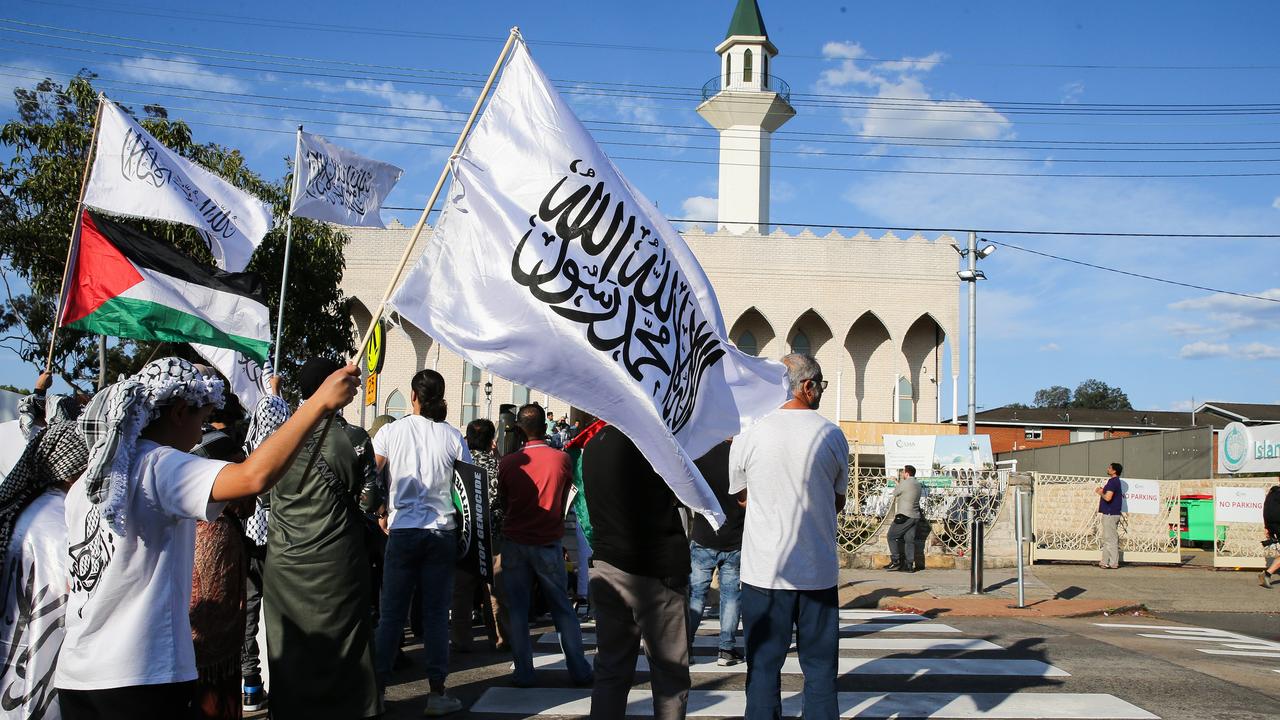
[933, 456]
[1141, 497]
[1238, 504]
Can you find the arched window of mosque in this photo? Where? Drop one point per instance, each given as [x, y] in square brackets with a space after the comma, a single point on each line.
[395, 405]
[746, 66]
[747, 343]
[800, 344]
[906, 401]
[728, 69]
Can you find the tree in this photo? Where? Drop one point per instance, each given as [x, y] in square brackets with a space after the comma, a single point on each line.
[38, 191]
[1055, 396]
[1096, 394]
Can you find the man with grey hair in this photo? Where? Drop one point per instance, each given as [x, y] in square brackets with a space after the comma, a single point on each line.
[790, 470]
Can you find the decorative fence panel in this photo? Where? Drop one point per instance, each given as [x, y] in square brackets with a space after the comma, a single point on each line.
[948, 509]
[1065, 521]
[1239, 544]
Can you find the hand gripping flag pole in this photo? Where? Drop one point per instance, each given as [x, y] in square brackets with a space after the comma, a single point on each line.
[422, 221]
[75, 228]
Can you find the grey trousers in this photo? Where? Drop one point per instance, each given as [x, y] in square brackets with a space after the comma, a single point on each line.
[902, 542]
[629, 608]
[1110, 540]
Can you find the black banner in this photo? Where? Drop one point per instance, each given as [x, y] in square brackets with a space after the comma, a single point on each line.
[471, 500]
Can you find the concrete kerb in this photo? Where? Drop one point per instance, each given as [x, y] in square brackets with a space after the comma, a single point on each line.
[982, 606]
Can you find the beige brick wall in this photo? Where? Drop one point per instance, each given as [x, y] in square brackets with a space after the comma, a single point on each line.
[772, 285]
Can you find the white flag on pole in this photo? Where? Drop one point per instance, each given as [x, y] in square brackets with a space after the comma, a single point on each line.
[549, 269]
[246, 379]
[333, 184]
[133, 174]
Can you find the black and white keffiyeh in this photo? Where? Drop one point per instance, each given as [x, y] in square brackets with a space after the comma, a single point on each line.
[271, 412]
[55, 455]
[116, 416]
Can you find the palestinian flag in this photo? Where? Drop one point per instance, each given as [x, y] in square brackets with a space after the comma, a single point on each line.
[127, 285]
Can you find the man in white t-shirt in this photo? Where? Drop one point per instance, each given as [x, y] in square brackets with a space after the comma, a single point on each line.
[131, 523]
[791, 470]
[418, 453]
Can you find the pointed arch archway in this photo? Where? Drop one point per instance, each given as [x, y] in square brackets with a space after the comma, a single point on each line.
[752, 333]
[809, 334]
[871, 351]
[922, 351]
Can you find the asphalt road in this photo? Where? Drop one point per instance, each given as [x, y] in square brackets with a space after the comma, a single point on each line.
[1088, 668]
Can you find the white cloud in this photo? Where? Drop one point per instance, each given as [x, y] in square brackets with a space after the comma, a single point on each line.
[1259, 351]
[1229, 315]
[180, 70]
[1276, 203]
[1181, 406]
[1050, 347]
[901, 80]
[1202, 349]
[700, 207]
[1072, 92]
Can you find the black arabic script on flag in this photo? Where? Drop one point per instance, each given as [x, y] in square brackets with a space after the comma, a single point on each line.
[595, 263]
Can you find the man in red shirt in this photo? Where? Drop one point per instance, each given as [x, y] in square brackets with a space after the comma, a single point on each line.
[533, 483]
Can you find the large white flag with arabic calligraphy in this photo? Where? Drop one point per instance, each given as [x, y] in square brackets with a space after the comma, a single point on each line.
[333, 184]
[548, 268]
[134, 175]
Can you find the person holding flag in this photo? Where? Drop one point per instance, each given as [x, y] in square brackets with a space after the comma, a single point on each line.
[131, 525]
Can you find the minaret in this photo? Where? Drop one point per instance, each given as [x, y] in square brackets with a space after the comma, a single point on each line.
[746, 103]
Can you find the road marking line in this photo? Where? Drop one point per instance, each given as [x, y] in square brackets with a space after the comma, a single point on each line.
[873, 643]
[730, 703]
[1242, 653]
[881, 615]
[846, 666]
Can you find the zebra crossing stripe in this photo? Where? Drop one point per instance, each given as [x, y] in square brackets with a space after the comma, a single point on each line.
[873, 643]
[854, 628]
[731, 703]
[880, 616]
[847, 666]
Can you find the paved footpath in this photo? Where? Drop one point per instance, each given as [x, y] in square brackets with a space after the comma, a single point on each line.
[1018, 668]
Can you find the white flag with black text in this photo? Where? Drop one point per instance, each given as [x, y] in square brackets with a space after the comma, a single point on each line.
[134, 175]
[548, 268]
[334, 184]
[246, 379]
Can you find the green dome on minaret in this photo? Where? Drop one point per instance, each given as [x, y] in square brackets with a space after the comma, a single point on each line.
[747, 20]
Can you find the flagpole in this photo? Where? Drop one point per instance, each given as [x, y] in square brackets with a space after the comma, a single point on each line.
[75, 229]
[422, 221]
[435, 193]
[288, 246]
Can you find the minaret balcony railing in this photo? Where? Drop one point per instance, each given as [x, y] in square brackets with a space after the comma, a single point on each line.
[768, 83]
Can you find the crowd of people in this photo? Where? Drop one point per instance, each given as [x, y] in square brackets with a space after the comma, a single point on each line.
[151, 529]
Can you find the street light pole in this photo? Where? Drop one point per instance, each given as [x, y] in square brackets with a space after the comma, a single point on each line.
[972, 255]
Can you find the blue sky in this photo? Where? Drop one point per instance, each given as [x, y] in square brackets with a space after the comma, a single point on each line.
[1042, 322]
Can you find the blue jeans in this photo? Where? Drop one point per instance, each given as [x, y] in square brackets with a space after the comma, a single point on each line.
[422, 559]
[703, 561]
[767, 619]
[522, 567]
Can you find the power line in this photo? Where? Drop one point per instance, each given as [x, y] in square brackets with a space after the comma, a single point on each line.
[297, 24]
[701, 131]
[680, 92]
[1128, 273]
[894, 112]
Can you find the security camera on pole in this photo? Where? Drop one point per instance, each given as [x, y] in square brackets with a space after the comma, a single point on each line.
[972, 275]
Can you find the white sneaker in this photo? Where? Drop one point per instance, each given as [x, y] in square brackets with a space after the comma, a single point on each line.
[441, 704]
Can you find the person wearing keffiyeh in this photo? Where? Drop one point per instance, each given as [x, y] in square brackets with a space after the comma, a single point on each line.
[33, 536]
[128, 650]
[39, 409]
